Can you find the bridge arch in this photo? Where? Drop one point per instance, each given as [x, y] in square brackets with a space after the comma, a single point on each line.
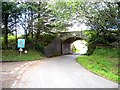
[67, 45]
[62, 43]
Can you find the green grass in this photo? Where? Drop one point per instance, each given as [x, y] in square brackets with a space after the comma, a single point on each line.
[103, 62]
[77, 50]
[13, 55]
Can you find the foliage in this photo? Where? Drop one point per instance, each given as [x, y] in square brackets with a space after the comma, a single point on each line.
[104, 62]
[109, 38]
[63, 13]
[11, 42]
[38, 18]
[31, 43]
[44, 41]
[90, 34]
[9, 10]
[74, 49]
[101, 17]
[39, 47]
[94, 39]
[48, 38]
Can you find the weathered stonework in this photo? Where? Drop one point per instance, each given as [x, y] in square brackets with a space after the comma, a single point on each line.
[54, 48]
[66, 49]
[62, 45]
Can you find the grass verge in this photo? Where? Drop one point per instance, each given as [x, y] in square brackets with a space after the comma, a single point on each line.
[13, 55]
[103, 62]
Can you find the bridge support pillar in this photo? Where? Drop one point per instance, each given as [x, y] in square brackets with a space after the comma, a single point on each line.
[66, 48]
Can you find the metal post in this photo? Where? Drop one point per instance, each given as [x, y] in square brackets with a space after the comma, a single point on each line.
[20, 53]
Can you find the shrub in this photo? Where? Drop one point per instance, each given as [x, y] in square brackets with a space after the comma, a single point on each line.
[39, 47]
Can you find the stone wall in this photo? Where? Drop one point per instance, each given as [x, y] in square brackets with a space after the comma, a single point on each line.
[54, 48]
[66, 48]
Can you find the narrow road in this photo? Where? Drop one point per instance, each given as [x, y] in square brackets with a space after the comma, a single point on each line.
[10, 71]
[61, 72]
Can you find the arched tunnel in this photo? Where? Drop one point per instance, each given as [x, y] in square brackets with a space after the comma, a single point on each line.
[67, 45]
[60, 47]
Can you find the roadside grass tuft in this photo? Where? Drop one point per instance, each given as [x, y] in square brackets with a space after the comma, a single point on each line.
[13, 55]
[103, 62]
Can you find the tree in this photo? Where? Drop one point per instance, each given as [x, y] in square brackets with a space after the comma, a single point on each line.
[31, 18]
[101, 17]
[63, 13]
[118, 3]
[9, 10]
[14, 18]
[43, 19]
[24, 18]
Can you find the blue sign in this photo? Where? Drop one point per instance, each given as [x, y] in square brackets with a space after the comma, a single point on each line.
[21, 43]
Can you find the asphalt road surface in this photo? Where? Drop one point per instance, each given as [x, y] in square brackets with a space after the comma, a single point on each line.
[10, 71]
[60, 72]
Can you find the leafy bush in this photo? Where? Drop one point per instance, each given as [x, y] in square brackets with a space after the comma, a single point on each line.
[107, 37]
[91, 48]
[103, 38]
[48, 38]
[11, 42]
[39, 47]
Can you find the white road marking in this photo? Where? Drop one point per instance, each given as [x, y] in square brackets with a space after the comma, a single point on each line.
[11, 72]
[14, 84]
[27, 66]
[17, 68]
[24, 68]
[21, 65]
[25, 63]
[29, 62]
[18, 76]
[21, 72]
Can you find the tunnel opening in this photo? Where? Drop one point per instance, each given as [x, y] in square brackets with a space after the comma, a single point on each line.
[79, 47]
[74, 46]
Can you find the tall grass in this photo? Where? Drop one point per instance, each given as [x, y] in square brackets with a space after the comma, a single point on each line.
[104, 62]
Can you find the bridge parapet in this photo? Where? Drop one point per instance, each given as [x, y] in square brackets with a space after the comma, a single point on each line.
[75, 34]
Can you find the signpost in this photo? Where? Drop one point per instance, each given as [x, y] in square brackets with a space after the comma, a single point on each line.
[21, 45]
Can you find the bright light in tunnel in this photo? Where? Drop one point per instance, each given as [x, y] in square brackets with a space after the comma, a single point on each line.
[80, 46]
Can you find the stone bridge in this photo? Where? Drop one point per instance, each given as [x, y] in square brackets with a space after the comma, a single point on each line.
[76, 34]
[61, 44]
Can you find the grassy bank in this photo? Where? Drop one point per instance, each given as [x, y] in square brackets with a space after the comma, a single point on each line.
[13, 55]
[103, 62]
